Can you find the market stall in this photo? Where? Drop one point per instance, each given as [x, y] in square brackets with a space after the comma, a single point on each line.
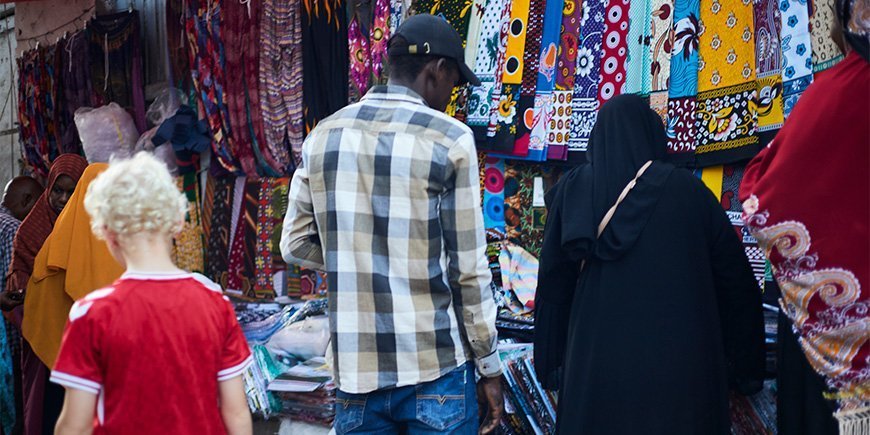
[247, 80]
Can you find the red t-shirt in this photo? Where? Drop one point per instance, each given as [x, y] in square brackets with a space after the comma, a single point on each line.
[153, 347]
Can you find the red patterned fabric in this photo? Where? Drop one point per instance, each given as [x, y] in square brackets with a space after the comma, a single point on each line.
[615, 50]
[809, 207]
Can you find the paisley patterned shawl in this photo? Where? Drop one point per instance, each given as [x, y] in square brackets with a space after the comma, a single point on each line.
[808, 228]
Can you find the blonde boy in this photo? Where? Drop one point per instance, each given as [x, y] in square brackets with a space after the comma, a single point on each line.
[160, 350]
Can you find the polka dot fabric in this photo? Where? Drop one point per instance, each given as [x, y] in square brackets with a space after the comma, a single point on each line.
[615, 49]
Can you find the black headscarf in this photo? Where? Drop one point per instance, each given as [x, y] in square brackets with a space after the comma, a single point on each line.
[626, 135]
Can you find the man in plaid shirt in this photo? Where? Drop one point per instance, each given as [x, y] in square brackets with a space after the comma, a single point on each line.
[387, 201]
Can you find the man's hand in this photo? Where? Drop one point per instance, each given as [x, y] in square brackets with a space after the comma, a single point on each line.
[490, 402]
[10, 300]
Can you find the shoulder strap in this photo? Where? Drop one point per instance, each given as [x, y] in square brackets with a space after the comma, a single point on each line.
[609, 215]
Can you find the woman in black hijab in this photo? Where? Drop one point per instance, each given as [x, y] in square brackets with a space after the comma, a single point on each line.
[666, 312]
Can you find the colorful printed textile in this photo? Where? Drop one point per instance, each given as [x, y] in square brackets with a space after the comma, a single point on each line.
[524, 223]
[480, 99]
[493, 195]
[508, 114]
[584, 101]
[272, 205]
[681, 128]
[657, 64]
[638, 40]
[519, 273]
[613, 57]
[280, 73]
[547, 74]
[684, 57]
[727, 120]
[475, 23]
[202, 27]
[797, 61]
[825, 51]
[768, 51]
[727, 44]
[219, 227]
[770, 109]
[188, 250]
[531, 59]
[559, 125]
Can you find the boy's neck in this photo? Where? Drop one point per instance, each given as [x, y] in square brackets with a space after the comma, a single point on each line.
[149, 253]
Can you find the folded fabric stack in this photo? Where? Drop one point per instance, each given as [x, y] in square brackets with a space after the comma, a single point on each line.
[529, 408]
[515, 325]
[756, 414]
[257, 378]
[261, 324]
[771, 315]
[307, 392]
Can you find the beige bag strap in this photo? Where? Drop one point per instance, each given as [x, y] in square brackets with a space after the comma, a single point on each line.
[609, 215]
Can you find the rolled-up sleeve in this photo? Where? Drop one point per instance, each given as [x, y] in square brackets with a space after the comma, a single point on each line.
[300, 243]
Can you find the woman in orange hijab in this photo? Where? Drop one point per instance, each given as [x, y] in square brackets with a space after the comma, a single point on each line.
[71, 264]
[34, 230]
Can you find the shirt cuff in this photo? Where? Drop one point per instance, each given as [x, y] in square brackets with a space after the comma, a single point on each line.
[489, 366]
[75, 382]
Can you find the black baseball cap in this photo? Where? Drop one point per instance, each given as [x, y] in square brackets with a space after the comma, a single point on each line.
[428, 34]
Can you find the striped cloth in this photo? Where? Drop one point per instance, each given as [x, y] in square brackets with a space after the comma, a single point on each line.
[281, 79]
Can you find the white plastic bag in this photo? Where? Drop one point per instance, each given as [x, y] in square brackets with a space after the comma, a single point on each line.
[106, 132]
[163, 152]
[304, 340]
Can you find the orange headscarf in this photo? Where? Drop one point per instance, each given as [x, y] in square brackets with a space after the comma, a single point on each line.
[71, 264]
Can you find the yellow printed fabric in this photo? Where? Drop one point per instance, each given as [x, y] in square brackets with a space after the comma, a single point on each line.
[516, 42]
[712, 178]
[726, 44]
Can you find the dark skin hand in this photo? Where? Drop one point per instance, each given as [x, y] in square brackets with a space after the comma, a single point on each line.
[490, 404]
[10, 300]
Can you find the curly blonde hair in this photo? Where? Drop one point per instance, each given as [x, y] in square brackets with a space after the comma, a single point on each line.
[136, 195]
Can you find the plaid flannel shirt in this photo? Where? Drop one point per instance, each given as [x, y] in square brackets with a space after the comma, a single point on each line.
[387, 202]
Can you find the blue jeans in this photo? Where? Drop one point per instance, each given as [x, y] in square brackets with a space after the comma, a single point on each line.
[447, 405]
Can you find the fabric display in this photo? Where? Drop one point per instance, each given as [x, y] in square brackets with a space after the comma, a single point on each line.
[115, 56]
[584, 99]
[797, 51]
[307, 392]
[519, 274]
[188, 250]
[324, 59]
[270, 327]
[529, 408]
[754, 414]
[36, 100]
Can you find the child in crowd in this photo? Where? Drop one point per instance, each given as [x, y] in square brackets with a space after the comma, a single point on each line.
[160, 351]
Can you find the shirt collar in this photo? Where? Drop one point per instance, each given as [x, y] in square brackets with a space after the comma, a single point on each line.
[6, 211]
[394, 93]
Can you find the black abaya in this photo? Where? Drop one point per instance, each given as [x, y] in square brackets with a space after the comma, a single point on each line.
[667, 310]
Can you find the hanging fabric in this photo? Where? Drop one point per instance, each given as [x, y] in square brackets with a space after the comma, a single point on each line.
[559, 127]
[683, 89]
[324, 59]
[726, 113]
[202, 26]
[280, 81]
[115, 55]
[584, 101]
